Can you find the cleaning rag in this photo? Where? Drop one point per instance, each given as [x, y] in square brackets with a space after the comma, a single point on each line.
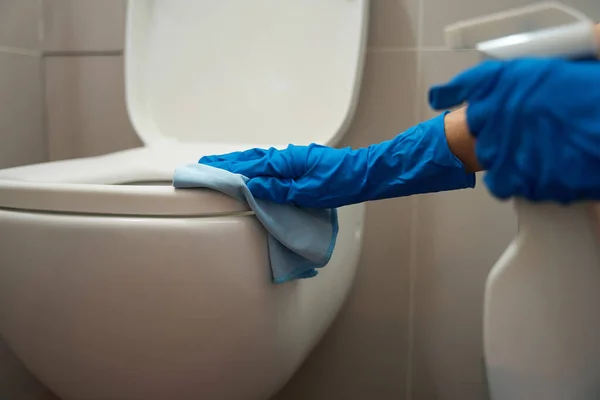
[300, 240]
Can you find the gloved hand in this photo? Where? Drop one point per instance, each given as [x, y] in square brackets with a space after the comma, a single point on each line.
[314, 176]
[537, 125]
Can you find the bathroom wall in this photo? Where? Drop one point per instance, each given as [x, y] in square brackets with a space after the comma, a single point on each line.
[22, 139]
[21, 125]
[84, 90]
[412, 326]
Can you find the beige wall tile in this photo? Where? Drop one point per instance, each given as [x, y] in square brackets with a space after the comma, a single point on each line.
[439, 13]
[84, 25]
[460, 236]
[364, 355]
[19, 23]
[438, 67]
[85, 107]
[21, 119]
[386, 105]
[393, 23]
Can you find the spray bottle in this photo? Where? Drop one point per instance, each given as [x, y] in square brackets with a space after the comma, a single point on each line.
[542, 297]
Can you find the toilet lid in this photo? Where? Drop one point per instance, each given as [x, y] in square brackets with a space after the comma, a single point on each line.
[264, 72]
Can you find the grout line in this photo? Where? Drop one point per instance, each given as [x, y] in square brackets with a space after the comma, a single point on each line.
[20, 52]
[44, 105]
[41, 37]
[384, 49]
[412, 274]
[82, 53]
[414, 220]
[41, 25]
[445, 49]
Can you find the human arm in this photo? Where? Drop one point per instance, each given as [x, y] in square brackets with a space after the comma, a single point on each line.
[536, 126]
[441, 154]
[597, 34]
[460, 140]
[415, 161]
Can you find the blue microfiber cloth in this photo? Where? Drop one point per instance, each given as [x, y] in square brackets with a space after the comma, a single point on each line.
[300, 239]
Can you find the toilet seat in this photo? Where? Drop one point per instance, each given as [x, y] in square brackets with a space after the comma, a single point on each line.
[181, 94]
[134, 182]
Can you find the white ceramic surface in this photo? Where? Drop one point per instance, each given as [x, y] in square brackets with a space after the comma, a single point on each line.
[264, 72]
[142, 308]
[114, 285]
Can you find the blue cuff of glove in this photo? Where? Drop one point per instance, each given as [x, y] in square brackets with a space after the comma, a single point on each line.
[417, 161]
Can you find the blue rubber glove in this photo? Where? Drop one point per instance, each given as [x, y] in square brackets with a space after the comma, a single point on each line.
[537, 124]
[314, 176]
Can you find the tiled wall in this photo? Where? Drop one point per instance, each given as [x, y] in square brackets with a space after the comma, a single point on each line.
[412, 326]
[21, 130]
[22, 139]
[84, 89]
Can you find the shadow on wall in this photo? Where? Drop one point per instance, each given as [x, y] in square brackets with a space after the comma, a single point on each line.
[16, 383]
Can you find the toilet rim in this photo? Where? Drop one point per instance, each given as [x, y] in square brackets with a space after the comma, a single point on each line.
[127, 199]
[134, 182]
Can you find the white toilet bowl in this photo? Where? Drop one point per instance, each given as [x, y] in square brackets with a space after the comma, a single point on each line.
[114, 285]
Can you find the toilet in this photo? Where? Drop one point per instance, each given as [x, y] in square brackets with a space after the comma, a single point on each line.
[116, 286]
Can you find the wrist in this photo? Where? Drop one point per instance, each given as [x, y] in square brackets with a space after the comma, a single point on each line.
[459, 139]
[597, 33]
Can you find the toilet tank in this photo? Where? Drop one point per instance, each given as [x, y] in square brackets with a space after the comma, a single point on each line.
[255, 73]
